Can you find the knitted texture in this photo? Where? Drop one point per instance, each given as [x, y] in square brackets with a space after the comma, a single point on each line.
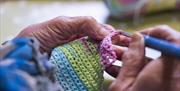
[78, 66]
[108, 55]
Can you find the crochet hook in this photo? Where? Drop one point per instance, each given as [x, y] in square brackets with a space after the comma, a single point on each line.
[163, 46]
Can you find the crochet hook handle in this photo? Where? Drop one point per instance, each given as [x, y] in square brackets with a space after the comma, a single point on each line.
[162, 45]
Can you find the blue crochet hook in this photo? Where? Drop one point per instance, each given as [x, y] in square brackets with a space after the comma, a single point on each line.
[161, 45]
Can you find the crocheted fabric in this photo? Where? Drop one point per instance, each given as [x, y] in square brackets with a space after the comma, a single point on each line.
[78, 66]
[108, 55]
[24, 68]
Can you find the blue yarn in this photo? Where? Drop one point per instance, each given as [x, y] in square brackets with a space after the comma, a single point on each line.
[64, 69]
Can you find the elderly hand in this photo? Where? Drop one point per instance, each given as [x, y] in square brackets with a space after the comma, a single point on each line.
[65, 29]
[162, 74]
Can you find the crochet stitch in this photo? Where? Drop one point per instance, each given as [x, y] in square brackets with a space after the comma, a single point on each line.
[79, 64]
[108, 55]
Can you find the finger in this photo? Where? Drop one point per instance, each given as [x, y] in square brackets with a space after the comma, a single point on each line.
[163, 32]
[121, 40]
[120, 43]
[99, 31]
[119, 50]
[108, 27]
[79, 26]
[88, 26]
[113, 70]
[132, 60]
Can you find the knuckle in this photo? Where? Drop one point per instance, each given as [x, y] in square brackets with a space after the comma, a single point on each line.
[89, 19]
[89, 22]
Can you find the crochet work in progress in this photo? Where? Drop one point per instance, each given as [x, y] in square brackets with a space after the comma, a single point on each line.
[78, 66]
[108, 55]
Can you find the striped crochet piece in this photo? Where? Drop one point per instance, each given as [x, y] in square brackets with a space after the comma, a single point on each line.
[78, 66]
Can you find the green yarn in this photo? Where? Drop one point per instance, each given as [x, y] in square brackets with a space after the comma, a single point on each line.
[84, 58]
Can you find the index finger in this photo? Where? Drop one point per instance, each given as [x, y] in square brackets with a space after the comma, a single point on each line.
[132, 61]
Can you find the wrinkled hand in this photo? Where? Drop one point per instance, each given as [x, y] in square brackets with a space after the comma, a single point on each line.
[65, 29]
[162, 74]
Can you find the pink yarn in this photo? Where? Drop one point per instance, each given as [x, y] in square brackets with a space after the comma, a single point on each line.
[108, 55]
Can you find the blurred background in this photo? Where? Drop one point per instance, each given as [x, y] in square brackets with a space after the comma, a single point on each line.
[18, 14]
[129, 15]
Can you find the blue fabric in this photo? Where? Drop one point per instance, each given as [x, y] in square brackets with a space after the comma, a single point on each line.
[20, 63]
[22, 50]
[12, 81]
[18, 60]
[21, 55]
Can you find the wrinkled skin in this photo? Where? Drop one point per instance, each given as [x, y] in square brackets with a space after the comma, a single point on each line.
[162, 74]
[62, 29]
